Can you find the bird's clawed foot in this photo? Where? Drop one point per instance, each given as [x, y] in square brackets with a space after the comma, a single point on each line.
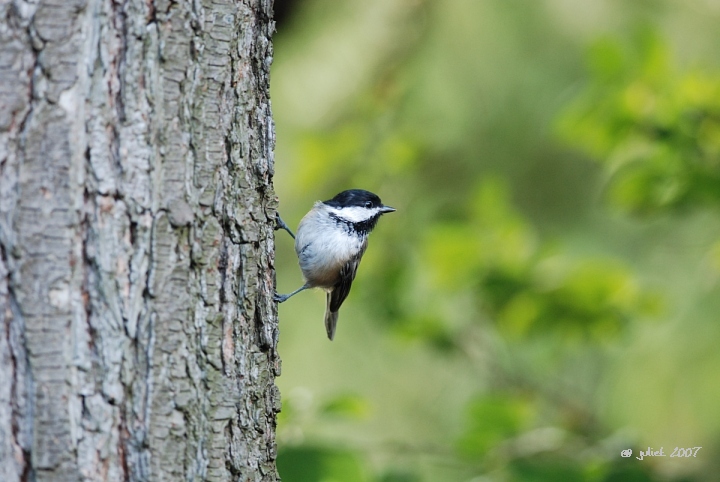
[280, 298]
[280, 224]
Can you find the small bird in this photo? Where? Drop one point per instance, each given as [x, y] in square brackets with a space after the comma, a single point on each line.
[331, 240]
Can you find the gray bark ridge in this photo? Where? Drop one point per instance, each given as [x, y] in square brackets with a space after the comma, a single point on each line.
[138, 334]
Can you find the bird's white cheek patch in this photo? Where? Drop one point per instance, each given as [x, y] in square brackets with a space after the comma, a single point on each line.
[356, 214]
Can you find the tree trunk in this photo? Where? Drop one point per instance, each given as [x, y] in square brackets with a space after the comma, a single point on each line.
[137, 328]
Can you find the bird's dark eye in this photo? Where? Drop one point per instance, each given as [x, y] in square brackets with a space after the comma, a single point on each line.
[368, 204]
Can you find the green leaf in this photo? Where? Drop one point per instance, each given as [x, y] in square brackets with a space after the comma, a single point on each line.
[491, 420]
[347, 405]
[320, 464]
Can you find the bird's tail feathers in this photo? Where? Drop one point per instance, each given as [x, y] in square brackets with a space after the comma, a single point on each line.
[331, 318]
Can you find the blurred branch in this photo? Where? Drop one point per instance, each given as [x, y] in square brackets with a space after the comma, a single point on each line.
[486, 354]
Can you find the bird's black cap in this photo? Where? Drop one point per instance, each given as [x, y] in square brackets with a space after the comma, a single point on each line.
[354, 197]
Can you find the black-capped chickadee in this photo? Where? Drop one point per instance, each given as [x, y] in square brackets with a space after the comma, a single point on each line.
[331, 240]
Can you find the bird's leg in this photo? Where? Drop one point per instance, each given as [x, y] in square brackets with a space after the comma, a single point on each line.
[280, 298]
[280, 224]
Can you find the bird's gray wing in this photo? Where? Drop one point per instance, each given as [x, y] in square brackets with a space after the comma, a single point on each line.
[339, 292]
[342, 287]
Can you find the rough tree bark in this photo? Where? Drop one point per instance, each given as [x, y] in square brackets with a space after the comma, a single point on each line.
[137, 328]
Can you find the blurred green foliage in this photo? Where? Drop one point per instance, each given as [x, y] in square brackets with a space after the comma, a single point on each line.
[656, 129]
[524, 287]
[320, 464]
[505, 324]
[492, 420]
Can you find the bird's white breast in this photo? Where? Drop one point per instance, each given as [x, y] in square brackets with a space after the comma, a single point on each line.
[323, 247]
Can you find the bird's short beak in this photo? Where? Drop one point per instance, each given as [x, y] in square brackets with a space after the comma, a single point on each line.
[387, 209]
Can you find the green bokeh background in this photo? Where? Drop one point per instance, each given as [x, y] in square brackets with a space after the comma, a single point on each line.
[546, 294]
